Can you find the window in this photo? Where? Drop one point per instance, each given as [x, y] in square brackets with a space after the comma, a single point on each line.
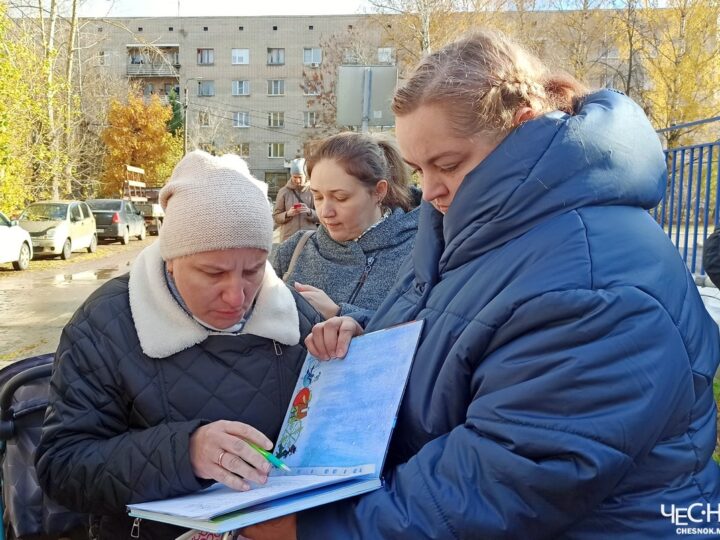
[275, 57]
[205, 28]
[276, 150]
[206, 88]
[241, 28]
[274, 27]
[311, 27]
[385, 55]
[86, 211]
[310, 89]
[203, 119]
[241, 88]
[242, 150]
[205, 57]
[312, 56]
[75, 213]
[170, 29]
[310, 119]
[240, 56]
[276, 119]
[140, 28]
[276, 87]
[101, 58]
[241, 119]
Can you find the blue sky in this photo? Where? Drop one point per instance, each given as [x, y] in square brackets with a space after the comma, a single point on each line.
[197, 8]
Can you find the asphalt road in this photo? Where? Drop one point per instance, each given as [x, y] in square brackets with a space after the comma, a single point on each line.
[36, 304]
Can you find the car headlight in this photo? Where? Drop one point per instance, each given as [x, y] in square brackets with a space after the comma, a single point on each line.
[50, 233]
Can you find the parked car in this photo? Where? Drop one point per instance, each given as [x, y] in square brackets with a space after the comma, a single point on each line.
[153, 214]
[15, 244]
[117, 219]
[59, 228]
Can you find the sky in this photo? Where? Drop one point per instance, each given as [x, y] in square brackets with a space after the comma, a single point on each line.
[207, 8]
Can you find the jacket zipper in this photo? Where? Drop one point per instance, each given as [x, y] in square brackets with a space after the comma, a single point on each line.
[135, 531]
[363, 277]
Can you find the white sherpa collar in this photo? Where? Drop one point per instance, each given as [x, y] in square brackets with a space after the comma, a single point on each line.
[164, 328]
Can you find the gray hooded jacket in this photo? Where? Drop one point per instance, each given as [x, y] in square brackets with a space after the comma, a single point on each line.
[357, 274]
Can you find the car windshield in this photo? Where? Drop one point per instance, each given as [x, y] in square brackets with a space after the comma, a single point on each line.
[112, 206]
[44, 212]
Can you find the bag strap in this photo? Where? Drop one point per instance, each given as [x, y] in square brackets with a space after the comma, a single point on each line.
[296, 254]
[297, 197]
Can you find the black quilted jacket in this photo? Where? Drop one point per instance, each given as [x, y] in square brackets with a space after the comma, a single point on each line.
[118, 424]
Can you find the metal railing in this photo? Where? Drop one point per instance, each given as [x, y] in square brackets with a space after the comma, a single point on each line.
[689, 210]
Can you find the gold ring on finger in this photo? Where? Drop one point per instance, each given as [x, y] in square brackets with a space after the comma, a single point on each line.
[219, 459]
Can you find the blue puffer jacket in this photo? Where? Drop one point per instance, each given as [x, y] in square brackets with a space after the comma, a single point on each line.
[563, 384]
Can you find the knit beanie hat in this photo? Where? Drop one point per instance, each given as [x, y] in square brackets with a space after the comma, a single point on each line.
[213, 203]
[297, 166]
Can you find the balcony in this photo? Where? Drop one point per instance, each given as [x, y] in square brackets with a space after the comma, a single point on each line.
[153, 60]
[153, 70]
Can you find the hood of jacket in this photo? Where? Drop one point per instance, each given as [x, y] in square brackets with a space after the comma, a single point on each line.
[164, 328]
[607, 153]
[302, 188]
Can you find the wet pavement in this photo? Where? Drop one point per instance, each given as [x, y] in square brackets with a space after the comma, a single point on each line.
[36, 304]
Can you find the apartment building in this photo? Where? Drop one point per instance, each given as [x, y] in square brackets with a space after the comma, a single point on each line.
[241, 77]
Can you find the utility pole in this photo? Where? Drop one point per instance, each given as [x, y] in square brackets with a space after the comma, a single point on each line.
[185, 109]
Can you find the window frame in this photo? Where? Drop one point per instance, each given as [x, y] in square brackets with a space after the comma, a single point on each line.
[232, 56]
[278, 146]
[276, 119]
[206, 83]
[280, 52]
[312, 51]
[237, 115]
[271, 83]
[201, 51]
[306, 117]
[242, 84]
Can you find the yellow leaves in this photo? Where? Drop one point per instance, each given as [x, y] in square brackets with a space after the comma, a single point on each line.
[137, 135]
[681, 62]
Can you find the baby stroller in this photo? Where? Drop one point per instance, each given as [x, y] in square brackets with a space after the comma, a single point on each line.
[27, 513]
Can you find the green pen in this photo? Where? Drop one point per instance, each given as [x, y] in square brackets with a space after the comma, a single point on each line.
[270, 457]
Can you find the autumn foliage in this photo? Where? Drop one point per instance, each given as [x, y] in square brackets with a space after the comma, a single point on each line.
[137, 135]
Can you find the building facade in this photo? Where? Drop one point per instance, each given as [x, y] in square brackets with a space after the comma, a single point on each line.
[242, 79]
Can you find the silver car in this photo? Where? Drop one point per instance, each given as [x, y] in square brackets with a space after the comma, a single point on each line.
[59, 228]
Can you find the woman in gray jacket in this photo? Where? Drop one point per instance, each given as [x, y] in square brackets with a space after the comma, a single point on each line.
[360, 186]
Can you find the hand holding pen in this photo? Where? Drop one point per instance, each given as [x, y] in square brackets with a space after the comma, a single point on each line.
[232, 453]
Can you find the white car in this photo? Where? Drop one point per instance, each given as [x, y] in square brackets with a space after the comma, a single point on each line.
[59, 228]
[15, 244]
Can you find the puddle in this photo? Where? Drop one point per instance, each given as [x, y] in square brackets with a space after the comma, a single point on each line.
[102, 274]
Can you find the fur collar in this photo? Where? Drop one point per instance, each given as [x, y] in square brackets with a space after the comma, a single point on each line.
[164, 328]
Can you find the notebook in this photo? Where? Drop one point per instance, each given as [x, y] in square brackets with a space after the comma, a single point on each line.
[334, 438]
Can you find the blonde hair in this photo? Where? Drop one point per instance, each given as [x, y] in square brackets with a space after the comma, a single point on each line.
[369, 159]
[481, 81]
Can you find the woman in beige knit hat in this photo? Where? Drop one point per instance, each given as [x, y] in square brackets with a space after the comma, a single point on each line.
[164, 376]
[294, 205]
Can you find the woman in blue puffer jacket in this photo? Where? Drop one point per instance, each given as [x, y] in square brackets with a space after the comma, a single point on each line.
[563, 384]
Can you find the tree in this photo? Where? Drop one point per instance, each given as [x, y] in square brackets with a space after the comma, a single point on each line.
[681, 63]
[628, 34]
[136, 135]
[418, 27]
[19, 114]
[579, 34]
[354, 47]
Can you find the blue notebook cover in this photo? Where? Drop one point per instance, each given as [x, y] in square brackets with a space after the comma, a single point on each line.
[334, 437]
